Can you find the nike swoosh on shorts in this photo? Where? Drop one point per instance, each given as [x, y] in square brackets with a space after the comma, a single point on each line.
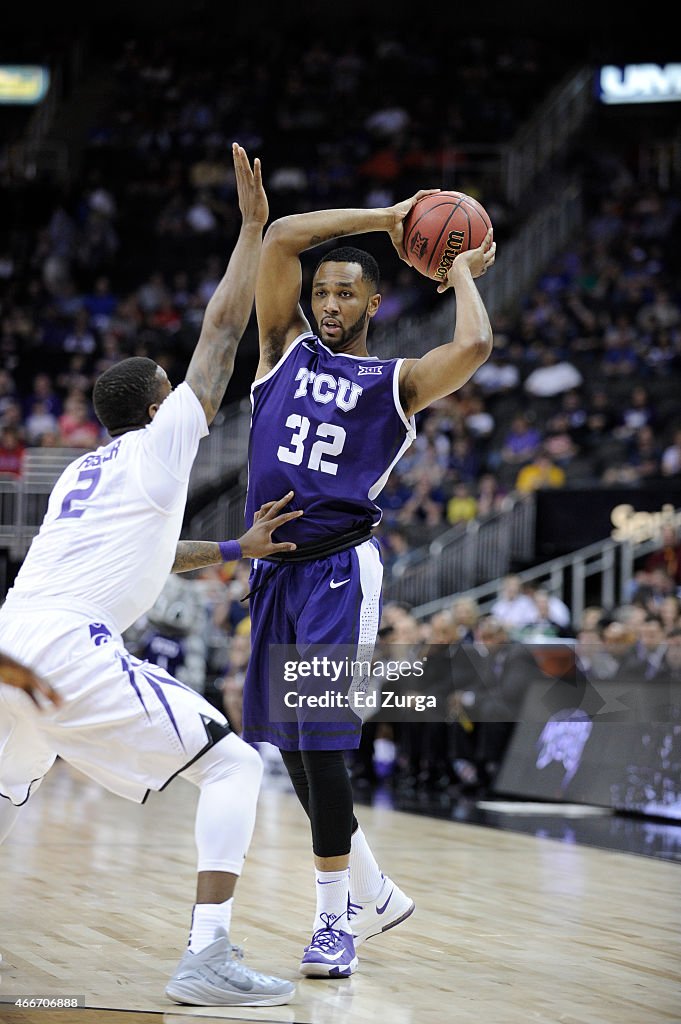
[341, 583]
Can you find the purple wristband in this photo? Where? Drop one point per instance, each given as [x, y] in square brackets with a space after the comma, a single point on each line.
[230, 550]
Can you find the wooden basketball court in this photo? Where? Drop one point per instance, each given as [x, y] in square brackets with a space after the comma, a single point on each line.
[96, 895]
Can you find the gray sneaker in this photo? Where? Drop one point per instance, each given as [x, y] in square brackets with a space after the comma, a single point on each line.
[216, 977]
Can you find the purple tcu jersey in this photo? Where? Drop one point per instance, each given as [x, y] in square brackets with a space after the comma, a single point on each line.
[329, 427]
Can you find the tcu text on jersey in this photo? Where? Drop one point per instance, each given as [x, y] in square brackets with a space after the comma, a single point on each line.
[325, 388]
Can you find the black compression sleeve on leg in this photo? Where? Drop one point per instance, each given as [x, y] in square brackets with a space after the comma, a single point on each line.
[293, 762]
[330, 802]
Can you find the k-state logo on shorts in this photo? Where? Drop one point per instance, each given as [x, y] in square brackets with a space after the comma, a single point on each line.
[99, 633]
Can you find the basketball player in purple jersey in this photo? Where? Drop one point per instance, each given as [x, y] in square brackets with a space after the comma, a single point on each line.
[329, 422]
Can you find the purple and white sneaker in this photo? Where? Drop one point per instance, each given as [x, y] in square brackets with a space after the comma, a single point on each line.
[391, 907]
[331, 953]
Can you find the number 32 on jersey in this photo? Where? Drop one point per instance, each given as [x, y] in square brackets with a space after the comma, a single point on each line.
[330, 441]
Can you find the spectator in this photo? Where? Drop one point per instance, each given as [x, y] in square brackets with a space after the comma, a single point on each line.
[153, 293]
[593, 660]
[644, 454]
[552, 617]
[638, 412]
[513, 608]
[499, 375]
[462, 506]
[521, 442]
[619, 639]
[40, 421]
[491, 495]
[81, 338]
[398, 554]
[601, 418]
[670, 612]
[11, 452]
[651, 588]
[593, 617]
[561, 448]
[501, 671]
[668, 555]
[8, 392]
[661, 356]
[631, 615]
[465, 613]
[673, 657]
[661, 312]
[671, 456]
[464, 461]
[478, 421]
[425, 504]
[542, 472]
[100, 303]
[646, 661]
[77, 428]
[553, 377]
[620, 358]
[43, 391]
[574, 414]
[421, 748]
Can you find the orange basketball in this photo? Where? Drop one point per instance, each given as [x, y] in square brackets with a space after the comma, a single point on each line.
[439, 227]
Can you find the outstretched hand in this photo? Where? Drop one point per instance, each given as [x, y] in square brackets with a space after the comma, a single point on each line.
[252, 197]
[23, 678]
[400, 211]
[257, 542]
[479, 261]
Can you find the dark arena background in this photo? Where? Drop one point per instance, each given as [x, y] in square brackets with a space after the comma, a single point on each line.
[531, 535]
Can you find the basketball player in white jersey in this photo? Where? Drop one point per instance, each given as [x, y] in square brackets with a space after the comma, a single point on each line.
[103, 553]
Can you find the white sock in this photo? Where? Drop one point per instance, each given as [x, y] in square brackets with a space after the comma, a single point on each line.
[206, 919]
[366, 878]
[332, 899]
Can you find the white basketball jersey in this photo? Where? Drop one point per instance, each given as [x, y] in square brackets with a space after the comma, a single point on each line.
[109, 536]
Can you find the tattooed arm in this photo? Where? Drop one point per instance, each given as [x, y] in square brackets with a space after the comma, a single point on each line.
[255, 543]
[229, 310]
[195, 554]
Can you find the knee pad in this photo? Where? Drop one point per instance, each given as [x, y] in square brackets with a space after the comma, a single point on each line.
[225, 759]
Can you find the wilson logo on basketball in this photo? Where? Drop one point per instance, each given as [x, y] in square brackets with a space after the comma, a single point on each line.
[452, 250]
[418, 246]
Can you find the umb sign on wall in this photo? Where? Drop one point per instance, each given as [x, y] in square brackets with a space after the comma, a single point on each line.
[639, 83]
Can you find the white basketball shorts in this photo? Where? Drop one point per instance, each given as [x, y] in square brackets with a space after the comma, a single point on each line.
[127, 724]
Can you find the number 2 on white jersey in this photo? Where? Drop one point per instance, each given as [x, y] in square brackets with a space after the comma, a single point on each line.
[295, 452]
[80, 493]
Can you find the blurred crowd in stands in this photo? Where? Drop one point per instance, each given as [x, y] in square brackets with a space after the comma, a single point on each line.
[581, 386]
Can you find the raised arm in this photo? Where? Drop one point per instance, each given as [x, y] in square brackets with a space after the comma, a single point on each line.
[446, 368]
[229, 310]
[277, 298]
